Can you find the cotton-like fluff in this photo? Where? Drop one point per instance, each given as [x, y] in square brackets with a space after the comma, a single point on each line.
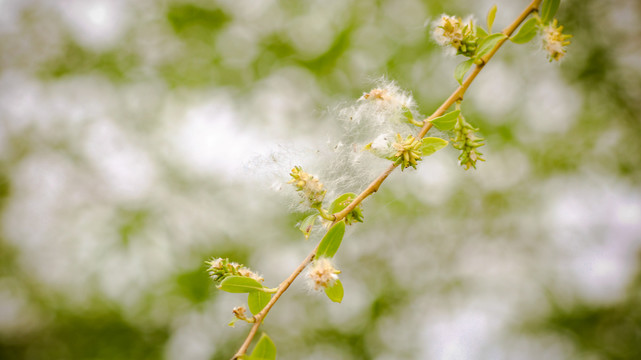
[322, 274]
[379, 114]
[554, 41]
[386, 103]
[344, 164]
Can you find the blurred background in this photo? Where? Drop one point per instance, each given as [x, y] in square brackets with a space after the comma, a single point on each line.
[137, 140]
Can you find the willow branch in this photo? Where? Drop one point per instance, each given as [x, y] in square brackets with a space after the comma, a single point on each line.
[457, 95]
[258, 318]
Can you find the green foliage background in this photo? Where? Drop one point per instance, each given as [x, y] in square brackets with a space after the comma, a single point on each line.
[126, 129]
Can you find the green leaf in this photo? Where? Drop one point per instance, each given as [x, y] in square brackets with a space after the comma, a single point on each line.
[486, 45]
[548, 9]
[332, 240]
[307, 225]
[264, 349]
[410, 117]
[430, 145]
[447, 121]
[335, 292]
[341, 202]
[480, 32]
[257, 300]
[490, 18]
[408, 114]
[461, 70]
[526, 32]
[240, 284]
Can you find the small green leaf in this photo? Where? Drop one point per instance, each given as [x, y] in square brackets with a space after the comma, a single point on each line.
[232, 323]
[410, 117]
[257, 300]
[490, 18]
[548, 9]
[408, 114]
[335, 292]
[447, 121]
[481, 33]
[307, 225]
[240, 284]
[341, 202]
[462, 69]
[331, 241]
[430, 145]
[264, 349]
[486, 45]
[526, 32]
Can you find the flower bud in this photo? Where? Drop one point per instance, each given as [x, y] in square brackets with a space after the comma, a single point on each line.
[554, 41]
[219, 269]
[408, 151]
[457, 33]
[467, 142]
[239, 312]
[309, 187]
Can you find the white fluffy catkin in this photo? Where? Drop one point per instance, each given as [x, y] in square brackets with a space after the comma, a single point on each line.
[341, 163]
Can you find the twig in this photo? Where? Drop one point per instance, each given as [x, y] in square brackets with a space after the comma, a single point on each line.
[373, 187]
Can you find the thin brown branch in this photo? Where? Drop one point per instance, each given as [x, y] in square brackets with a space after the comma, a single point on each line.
[281, 289]
[456, 95]
[374, 186]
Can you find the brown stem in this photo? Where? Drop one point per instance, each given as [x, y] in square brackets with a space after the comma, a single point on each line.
[258, 318]
[456, 95]
[373, 187]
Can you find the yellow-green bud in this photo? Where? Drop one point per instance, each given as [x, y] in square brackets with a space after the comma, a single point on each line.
[467, 142]
[309, 187]
[408, 152]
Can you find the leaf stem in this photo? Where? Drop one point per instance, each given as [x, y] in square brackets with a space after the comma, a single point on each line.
[325, 215]
[457, 95]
